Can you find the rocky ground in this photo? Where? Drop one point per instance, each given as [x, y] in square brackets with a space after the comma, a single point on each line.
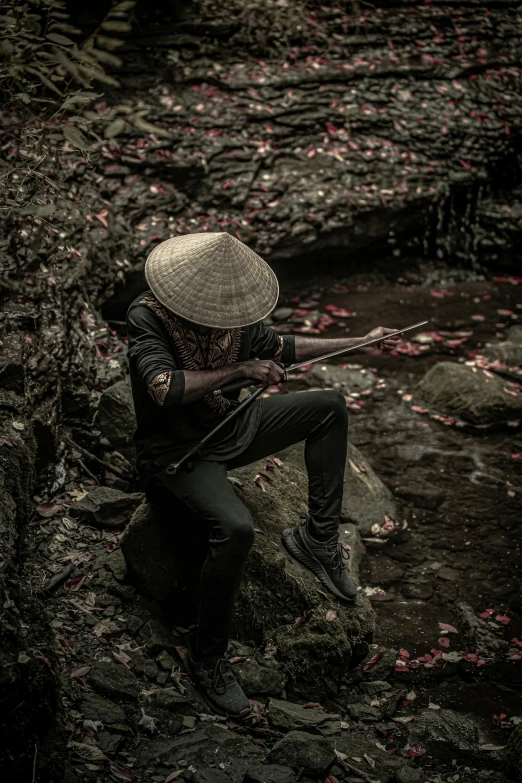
[436, 496]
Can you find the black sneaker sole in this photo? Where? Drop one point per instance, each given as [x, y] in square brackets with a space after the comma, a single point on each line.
[210, 703]
[312, 564]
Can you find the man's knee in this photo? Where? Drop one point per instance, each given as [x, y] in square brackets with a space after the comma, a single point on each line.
[335, 404]
[239, 529]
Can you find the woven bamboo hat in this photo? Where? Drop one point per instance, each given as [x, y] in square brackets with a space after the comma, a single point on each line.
[212, 279]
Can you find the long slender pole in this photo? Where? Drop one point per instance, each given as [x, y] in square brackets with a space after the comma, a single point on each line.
[174, 467]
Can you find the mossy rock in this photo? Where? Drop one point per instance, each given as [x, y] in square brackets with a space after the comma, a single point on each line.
[366, 500]
[164, 554]
[467, 392]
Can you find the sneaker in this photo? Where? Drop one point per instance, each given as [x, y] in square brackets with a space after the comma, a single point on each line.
[325, 559]
[217, 684]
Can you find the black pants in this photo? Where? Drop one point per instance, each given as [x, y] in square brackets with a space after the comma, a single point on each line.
[320, 418]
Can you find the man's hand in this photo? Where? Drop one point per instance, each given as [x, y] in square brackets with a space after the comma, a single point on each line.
[265, 371]
[384, 347]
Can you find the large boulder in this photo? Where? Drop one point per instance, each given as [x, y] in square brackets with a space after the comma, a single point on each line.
[479, 636]
[469, 393]
[116, 420]
[366, 500]
[352, 378]
[281, 606]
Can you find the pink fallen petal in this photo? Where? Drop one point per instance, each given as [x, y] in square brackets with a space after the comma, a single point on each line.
[444, 641]
[75, 584]
[49, 509]
[447, 627]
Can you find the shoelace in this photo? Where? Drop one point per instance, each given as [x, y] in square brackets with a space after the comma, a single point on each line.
[338, 553]
[221, 669]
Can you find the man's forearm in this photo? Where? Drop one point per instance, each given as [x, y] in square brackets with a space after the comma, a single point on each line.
[311, 347]
[199, 383]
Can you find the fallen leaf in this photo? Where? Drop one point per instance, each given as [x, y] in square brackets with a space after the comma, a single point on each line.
[121, 773]
[414, 750]
[372, 661]
[80, 672]
[174, 775]
[444, 641]
[75, 584]
[89, 752]
[331, 615]
[105, 627]
[491, 747]
[433, 706]
[48, 509]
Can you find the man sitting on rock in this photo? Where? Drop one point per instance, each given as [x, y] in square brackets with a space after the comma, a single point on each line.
[199, 328]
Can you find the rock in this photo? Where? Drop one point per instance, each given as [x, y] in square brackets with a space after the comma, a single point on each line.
[213, 744]
[116, 420]
[508, 353]
[187, 703]
[269, 773]
[97, 708]
[420, 590]
[384, 665]
[514, 334]
[444, 731]
[477, 634]
[455, 389]
[366, 500]
[363, 713]
[113, 680]
[286, 716]
[421, 495]
[157, 638]
[29, 687]
[106, 507]
[384, 571]
[208, 775]
[358, 745]
[330, 376]
[258, 679]
[275, 590]
[165, 661]
[300, 750]
[282, 314]
[409, 775]
[512, 756]
[374, 687]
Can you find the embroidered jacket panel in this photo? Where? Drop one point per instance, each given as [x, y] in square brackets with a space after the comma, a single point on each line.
[159, 349]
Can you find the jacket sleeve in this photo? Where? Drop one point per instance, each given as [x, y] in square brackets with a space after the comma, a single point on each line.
[265, 343]
[151, 359]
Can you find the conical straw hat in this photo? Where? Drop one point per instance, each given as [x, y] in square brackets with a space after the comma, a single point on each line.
[212, 279]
